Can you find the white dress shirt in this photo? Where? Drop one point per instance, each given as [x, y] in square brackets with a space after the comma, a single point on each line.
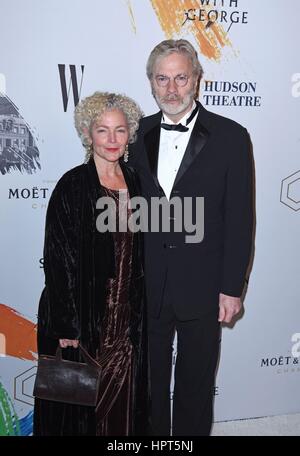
[172, 147]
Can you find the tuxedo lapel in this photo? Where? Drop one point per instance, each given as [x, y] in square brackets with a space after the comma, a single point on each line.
[152, 148]
[198, 139]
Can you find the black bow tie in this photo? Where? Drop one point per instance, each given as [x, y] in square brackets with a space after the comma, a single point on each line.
[180, 127]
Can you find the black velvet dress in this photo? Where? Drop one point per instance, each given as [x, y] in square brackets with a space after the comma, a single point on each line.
[116, 354]
[94, 292]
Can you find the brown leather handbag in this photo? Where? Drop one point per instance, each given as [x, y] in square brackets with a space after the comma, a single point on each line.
[72, 382]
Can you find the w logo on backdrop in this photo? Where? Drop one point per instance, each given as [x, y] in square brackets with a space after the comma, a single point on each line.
[73, 82]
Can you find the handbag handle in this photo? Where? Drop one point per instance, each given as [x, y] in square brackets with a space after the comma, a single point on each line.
[87, 357]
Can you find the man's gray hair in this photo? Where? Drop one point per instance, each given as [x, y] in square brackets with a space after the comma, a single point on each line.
[168, 47]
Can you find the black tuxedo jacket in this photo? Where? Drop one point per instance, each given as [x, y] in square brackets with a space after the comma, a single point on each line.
[217, 165]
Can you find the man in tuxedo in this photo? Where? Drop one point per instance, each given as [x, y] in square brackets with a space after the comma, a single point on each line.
[188, 152]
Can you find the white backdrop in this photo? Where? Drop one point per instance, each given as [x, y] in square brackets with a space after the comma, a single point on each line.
[111, 41]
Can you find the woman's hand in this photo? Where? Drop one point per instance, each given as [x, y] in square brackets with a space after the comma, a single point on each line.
[68, 343]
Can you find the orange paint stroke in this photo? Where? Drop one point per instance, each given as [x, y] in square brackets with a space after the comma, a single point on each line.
[220, 34]
[171, 17]
[19, 334]
[131, 15]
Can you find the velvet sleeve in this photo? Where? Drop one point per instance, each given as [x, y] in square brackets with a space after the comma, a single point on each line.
[61, 263]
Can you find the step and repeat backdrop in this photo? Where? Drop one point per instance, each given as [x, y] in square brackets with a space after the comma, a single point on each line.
[53, 54]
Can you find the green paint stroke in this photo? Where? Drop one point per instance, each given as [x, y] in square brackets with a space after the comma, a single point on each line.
[9, 423]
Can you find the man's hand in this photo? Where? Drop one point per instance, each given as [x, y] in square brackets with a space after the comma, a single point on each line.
[68, 343]
[228, 307]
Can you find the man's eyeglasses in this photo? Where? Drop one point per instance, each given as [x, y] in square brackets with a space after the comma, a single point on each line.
[180, 80]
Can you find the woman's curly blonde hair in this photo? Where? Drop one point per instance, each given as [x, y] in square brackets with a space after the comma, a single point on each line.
[92, 108]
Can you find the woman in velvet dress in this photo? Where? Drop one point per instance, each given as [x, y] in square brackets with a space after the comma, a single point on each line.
[94, 278]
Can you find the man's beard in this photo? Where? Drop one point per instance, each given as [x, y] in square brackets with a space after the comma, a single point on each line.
[167, 108]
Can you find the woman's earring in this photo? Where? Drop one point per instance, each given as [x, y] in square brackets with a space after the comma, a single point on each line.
[89, 151]
[126, 154]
